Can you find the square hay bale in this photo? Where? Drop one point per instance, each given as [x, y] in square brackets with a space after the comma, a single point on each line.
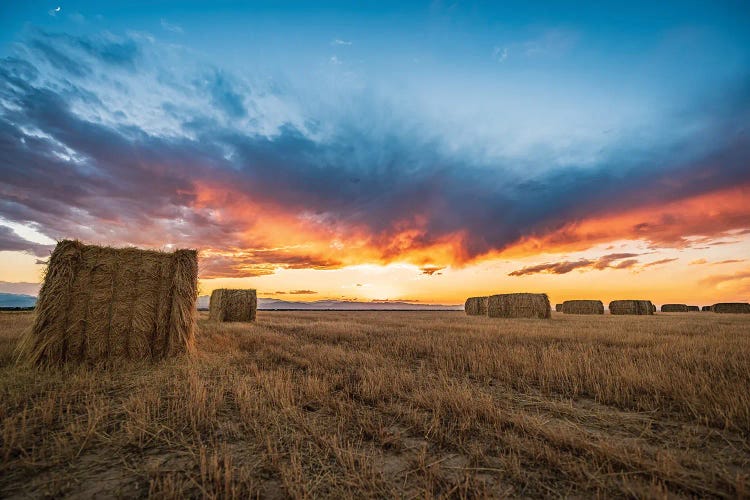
[731, 307]
[674, 308]
[476, 306]
[100, 303]
[706, 308]
[558, 308]
[233, 305]
[637, 307]
[519, 305]
[583, 307]
[693, 308]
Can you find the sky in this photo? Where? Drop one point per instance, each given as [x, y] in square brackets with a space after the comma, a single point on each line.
[405, 151]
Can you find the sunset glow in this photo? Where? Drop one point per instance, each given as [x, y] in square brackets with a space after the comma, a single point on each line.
[460, 151]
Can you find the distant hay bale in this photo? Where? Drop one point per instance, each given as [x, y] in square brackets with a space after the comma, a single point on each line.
[519, 305]
[233, 305]
[674, 308]
[583, 307]
[706, 308]
[558, 307]
[693, 308]
[99, 303]
[638, 307]
[731, 307]
[476, 306]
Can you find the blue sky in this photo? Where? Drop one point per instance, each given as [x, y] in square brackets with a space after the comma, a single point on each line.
[300, 136]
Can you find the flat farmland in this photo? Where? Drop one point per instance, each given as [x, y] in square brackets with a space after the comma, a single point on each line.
[393, 404]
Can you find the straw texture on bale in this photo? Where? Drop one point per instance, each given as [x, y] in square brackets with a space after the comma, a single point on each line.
[583, 307]
[731, 307]
[558, 307]
[476, 306]
[233, 305]
[637, 307]
[706, 308]
[99, 303]
[519, 305]
[674, 308]
[693, 308]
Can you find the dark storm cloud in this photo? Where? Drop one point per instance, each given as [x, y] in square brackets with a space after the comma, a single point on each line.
[121, 183]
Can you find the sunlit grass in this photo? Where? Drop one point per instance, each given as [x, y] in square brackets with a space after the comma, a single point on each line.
[310, 404]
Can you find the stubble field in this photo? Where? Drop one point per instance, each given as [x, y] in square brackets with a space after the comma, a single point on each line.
[393, 404]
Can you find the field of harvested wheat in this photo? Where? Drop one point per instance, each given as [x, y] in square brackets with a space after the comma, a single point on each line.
[393, 404]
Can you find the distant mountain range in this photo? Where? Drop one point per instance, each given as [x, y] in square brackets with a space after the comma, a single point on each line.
[21, 300]
[16, 300]
[341, 305]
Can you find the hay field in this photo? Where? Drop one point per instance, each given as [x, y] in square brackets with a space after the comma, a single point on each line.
[396, 404]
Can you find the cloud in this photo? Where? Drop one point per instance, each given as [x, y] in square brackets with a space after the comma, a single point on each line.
[604, 261]
[302, 292]
[334, 60]
[431, 270]
[174, 28]
[253, 263]
[338, 41]
[258, 180]
[224, 94]
[660, 262]
[10, 241]
[724, 278]
[698, 262]
[625, 264]
[54, 12]
[553, 268]
[564, 267]
[500, 54]
[728, 261]
[738, 282]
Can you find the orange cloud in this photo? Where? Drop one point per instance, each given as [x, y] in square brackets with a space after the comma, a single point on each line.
[706, 217]
[263, 235]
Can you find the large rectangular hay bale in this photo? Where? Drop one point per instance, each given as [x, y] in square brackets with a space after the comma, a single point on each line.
[558, 308]
[519, 305]
[693, 308]
[99, 303]
[706, 308]
[476, 306]
[233, 305]
[583, 307]
[674, 308]
[637, 307]
[731, 307]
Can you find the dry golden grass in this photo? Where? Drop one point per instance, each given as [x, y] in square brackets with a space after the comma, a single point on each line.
[396, 404]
